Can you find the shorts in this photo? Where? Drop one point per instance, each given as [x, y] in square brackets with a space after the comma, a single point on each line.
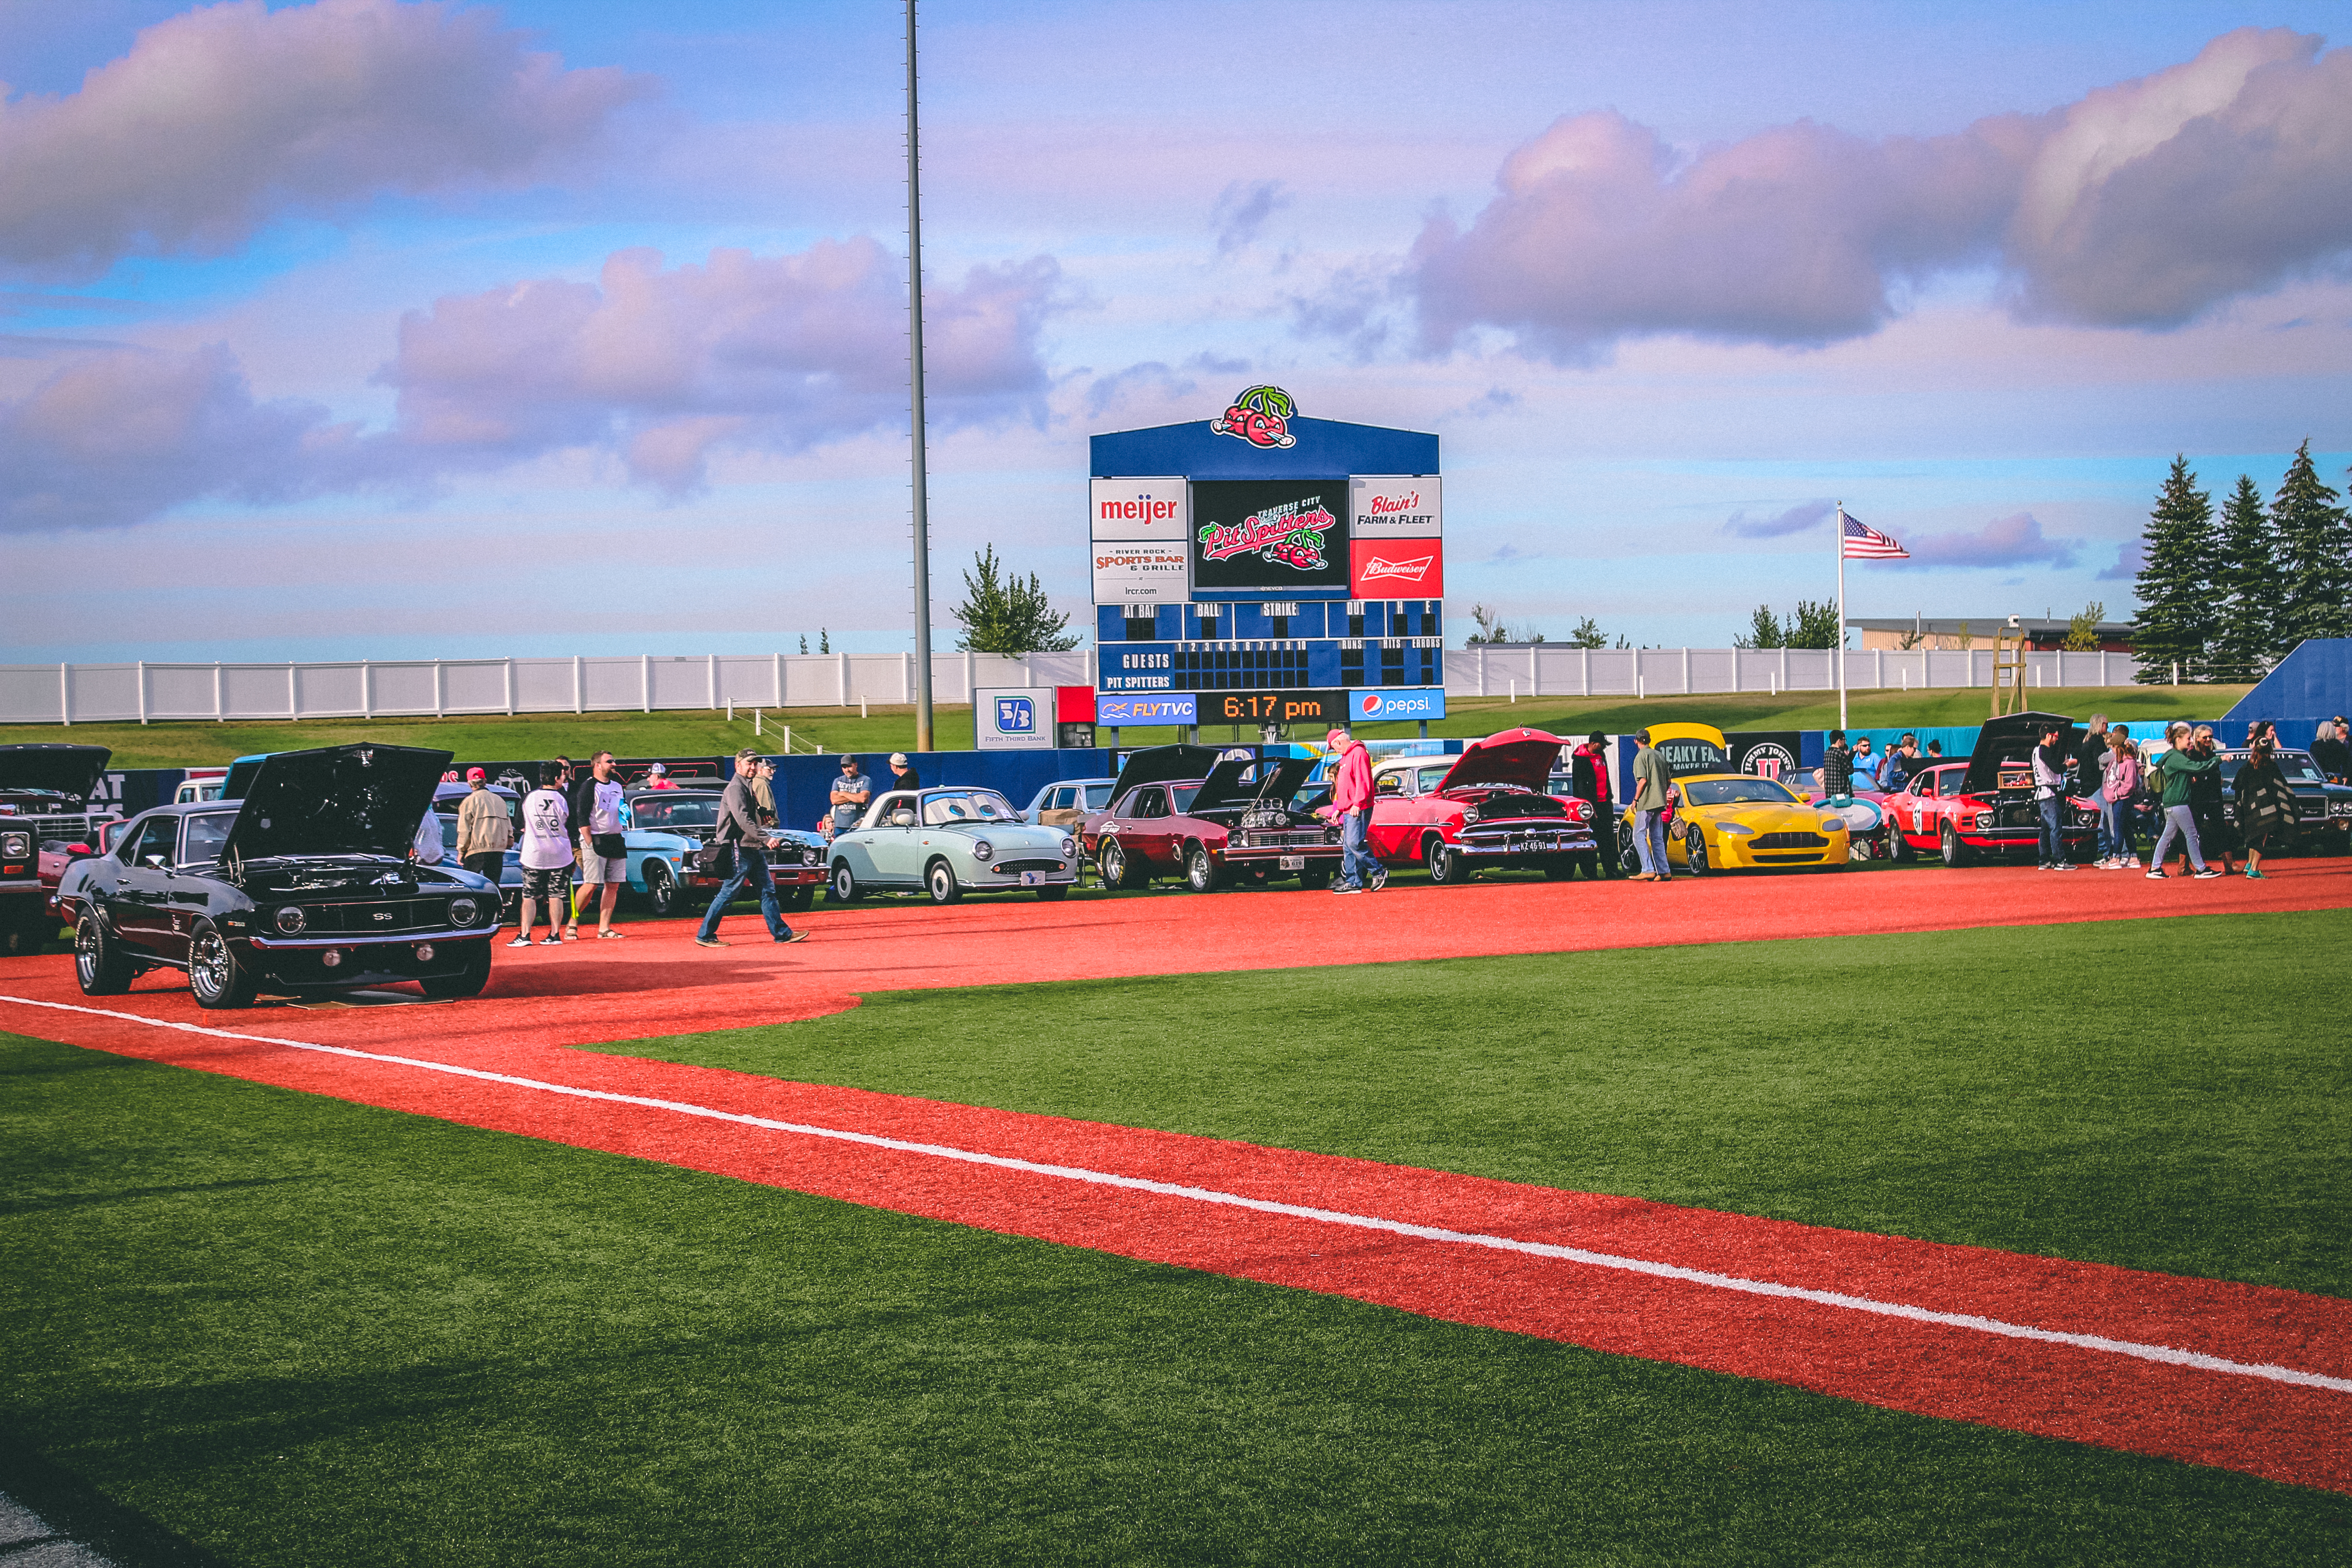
[595, 869]
[546, 882]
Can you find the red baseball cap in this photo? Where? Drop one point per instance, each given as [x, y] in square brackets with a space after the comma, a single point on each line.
[473, 773]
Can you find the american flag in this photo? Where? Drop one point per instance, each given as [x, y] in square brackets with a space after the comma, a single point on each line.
[1864, 542]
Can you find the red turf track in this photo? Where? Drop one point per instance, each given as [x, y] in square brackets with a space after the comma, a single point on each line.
[615, 990]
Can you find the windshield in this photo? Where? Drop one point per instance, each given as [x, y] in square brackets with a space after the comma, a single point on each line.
[942, 808]
[1739, 792]
[206, 834]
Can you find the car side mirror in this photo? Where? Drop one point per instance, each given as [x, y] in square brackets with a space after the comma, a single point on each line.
[1804, 798]
[902, 819]
[155, 863]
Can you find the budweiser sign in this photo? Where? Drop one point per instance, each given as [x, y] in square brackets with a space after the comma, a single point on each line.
[1396, 569]
[1291, 534]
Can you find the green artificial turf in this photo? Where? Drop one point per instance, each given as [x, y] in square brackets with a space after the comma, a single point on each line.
[296, 1330]
[300, 1332]
[2163, 1094]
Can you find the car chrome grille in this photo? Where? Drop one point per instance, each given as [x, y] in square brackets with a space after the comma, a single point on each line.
[1278, 838]
[790, 855]
[67, 828]
[1789, 841]
[1015, 867]
[379, 917]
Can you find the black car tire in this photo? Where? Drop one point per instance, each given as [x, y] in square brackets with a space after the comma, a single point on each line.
[216, 975]
[800, 897]
[100, 965]
[1628, 858]
[661, 888]
[1117, 869]
[1446, 863]
[1955, 852]
[1202, 873]
[1053, 895]
[1898, 848]
[1694, 852]
[844, 888]
[1314, 878]
[940, 880]
[469, 983]
[25, 926]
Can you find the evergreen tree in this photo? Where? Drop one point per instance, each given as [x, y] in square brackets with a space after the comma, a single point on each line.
[2175, 579]
[1001, 613]
[1763, 630]
[2245, 644]
[1587, 634]
[2314, 551]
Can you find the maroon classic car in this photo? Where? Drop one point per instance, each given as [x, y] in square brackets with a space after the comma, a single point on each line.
[1179, 810]
[1485, 807]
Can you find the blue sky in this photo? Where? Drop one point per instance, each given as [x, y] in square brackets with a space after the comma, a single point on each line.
[375, 329]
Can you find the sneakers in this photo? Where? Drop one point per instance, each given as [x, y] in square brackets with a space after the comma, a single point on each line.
[2157, 875]
[1346, 888]
[2207, 874]
[794, 936]
[2063, 865]
[2129, 863]
[1380, 879]
[520, 942]
[708, 942]
[550, 942]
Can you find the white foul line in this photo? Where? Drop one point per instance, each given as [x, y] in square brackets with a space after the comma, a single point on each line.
[2167, 1354]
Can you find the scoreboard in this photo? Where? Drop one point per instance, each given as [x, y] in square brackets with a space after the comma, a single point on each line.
[1266, 568]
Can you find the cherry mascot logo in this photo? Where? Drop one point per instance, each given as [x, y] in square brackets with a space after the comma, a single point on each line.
[1261, 416]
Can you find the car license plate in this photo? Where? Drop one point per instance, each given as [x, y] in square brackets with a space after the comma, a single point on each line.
[1294, 862]
[1033, 879]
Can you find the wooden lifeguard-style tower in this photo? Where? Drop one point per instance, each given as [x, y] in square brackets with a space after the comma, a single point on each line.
[2009, 645]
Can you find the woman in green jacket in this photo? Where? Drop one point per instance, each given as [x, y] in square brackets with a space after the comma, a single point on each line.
[2178, 767]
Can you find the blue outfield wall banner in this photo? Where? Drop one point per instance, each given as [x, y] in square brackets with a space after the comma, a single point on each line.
[1377, 705]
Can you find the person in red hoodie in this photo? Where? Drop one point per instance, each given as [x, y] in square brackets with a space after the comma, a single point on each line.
[1351, 805]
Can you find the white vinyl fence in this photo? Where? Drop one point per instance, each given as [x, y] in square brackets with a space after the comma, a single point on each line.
[116, 693]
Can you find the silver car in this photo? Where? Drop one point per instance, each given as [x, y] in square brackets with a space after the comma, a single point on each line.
[947, 842]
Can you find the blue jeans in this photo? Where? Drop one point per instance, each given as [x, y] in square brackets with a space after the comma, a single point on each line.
[1356, 861]
[2115, 830]
[750, 866]
[2053, 841]
[1650, 841]
[2178, 821]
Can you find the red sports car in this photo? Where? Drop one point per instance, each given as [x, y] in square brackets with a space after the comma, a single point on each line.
[1485, 807]
[1180, 811]
[1985, 807]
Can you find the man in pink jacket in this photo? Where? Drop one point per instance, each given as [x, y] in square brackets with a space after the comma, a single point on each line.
[1351, 803]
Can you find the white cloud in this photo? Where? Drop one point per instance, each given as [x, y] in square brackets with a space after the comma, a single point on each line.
[217, 119]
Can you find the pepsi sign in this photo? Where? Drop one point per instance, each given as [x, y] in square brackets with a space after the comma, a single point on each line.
[1383, 705]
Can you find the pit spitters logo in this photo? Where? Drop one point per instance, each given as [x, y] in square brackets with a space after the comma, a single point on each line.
[1261, 416]
[1291, 533]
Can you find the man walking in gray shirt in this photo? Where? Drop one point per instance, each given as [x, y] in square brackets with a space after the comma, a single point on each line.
[739, 825]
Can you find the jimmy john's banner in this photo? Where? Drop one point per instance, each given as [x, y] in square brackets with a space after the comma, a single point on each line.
[1402, 506]
[1158, 509]
[1141, 572]
[1270, 536]
[1396, 569]
[1767, 753]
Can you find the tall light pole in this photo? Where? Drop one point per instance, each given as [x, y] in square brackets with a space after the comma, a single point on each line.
[915, 365]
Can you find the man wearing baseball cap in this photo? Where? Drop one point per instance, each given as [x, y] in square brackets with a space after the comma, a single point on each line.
[903, 774]
[1351, 803]
[483, 828]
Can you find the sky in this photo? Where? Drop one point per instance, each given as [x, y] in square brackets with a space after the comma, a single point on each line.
[373, 328]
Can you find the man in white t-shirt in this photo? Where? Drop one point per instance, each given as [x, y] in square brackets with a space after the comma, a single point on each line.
[595, 803]
[546, 856]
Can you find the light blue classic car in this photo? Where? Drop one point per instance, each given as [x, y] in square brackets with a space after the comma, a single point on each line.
[664, 826]
[949, 842]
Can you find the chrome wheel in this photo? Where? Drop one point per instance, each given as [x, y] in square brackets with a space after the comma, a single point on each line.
[941, 880]
[213, 974]
[661, 888]
[1955, 852]
[99, 964]
[1445, 862]
[1201, 873]
[1694, 853]
[1116, 871]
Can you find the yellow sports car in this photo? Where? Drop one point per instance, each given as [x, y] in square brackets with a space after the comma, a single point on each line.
[1734, 822]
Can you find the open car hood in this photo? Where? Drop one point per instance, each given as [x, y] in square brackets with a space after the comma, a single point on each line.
[1518, 759]
[335, 800]
[2011, 739]
[1277, 778]
[67, 770]
[1158, 764]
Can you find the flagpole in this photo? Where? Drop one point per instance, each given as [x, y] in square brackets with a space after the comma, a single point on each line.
[1840, 621]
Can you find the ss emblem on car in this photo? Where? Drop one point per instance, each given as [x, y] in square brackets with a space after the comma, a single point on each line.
[384, 914]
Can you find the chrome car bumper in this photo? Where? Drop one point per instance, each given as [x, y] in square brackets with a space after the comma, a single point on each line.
[1504, 842]
[357, 943]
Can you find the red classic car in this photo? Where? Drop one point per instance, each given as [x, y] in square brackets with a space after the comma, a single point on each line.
[1985, 807]
[1485, 807]
[1180, 811]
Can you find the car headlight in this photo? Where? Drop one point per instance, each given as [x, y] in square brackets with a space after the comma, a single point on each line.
[464, 911]
[291, 920]
[1735, 829]
[981, 849]
[1069, 846]
[1833, 824]
[16, 846]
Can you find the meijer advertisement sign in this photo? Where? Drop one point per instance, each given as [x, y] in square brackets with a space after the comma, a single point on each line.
[1158, 509]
